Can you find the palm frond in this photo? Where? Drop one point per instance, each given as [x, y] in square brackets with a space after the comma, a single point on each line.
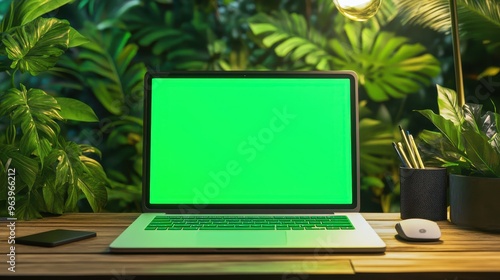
[479, 20]
[434, 14]
[385, 14]
[154, 29]
[107, 67]
[107, 14]
[289, 36]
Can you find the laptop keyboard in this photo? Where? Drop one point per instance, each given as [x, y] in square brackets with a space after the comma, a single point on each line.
[250, 223]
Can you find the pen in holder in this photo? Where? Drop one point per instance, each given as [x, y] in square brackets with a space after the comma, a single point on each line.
[423, 193]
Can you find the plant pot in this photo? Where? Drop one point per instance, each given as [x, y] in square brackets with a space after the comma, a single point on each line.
[475, 202]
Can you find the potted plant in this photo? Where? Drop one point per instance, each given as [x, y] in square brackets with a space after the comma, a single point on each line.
[45, 173]
[468, 144]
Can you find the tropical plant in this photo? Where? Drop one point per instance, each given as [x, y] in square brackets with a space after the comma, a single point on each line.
[473, 17]
[389, 67]
[479, 24]
[107, 67]
[468, 142]
[376, 133]
[182, 39]
[52, 174]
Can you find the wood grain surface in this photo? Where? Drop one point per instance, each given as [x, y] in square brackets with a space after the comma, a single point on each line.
[460, 254]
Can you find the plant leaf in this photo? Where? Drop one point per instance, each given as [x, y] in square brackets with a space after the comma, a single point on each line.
[108, 69]
[59, 165]
[72, 109]
[75, 38]
[54, 196]
[438, 151]
[3, 181]
[87, 149]
[94, 191]
[472, 115]
[489, 124]
[387, 65]
[62, 165]
[72, 199]
[35, 111]
[78, 173]
[375, 138]
[448, 105]
[36, 46]
[479, 20]
[489, 72]
[22, 12]
[28, 205]
[109, 13]
[288, 34]
[448, 128]
[480, 152]
[26, 167]
[428, 13]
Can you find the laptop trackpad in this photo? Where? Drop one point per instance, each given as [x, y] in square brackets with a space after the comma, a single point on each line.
[241, 239]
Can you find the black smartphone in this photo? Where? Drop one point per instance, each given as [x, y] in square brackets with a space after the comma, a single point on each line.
[55, 237]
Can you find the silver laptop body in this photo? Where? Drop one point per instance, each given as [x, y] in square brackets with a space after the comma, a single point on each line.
[232, 158]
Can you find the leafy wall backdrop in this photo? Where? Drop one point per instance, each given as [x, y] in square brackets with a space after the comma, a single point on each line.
[399, 56]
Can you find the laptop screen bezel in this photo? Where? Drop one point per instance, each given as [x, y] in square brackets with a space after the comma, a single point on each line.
[251, 208]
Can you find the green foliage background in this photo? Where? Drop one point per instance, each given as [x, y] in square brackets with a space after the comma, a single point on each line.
[399, 56]
[46, 173]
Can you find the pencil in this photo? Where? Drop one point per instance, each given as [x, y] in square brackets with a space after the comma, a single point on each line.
[406, 145]
[403, 155]
[405, 164]
[415, 150]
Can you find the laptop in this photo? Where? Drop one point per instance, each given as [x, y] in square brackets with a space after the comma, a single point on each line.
[250, 162]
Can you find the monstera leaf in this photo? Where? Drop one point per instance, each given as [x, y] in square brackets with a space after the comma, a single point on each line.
[36, 46]
[74, 173]
[387, 65]
[36, 112]
[52, 172]
[31, 43]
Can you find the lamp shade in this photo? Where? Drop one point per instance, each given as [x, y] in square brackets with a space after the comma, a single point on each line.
[359, 10]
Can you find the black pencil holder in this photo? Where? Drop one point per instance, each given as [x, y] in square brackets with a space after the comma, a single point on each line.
[423, 193]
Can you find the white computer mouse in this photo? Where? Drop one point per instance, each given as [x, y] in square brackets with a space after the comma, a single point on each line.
[418, 230]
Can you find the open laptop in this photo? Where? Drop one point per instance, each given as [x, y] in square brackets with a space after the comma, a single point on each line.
[250, 162]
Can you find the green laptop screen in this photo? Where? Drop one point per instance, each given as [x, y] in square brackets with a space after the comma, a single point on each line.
[251, 141]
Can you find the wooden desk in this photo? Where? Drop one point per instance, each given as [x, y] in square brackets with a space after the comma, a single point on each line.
[461, 254]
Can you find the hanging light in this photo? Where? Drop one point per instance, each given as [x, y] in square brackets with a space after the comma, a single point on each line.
[359, 10]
